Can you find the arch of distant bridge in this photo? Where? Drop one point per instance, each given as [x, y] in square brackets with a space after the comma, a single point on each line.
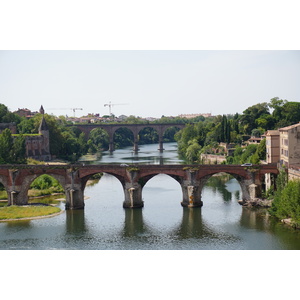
[134, 128]
[73, 178]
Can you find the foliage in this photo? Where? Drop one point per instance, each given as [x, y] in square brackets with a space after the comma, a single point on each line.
[252, 114]
[8, 117]
[193, 151]
[286, 202]
[199, 135]
[12, 150]
[45, 182]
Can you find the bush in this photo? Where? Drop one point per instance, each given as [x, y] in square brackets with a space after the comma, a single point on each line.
[46, 182]
[286, 202]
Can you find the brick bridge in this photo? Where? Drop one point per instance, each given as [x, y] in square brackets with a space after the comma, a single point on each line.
[73, 178]
[134, 128]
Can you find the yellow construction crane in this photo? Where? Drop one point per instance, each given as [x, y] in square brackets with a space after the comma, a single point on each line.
[111, 104]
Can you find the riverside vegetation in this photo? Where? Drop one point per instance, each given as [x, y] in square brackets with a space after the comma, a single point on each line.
[286, 203]
[200, 136]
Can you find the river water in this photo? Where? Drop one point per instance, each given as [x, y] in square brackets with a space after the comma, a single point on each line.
[163, 224]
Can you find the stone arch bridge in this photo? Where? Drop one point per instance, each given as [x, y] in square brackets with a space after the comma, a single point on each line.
[73, 178]
[134, 128]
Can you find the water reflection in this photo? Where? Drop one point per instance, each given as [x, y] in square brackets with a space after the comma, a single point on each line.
[222, 184]
[147, 154]
[134, 223]
[162, 224]
[75, 222]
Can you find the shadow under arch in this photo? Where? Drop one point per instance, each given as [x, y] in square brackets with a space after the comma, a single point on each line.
[123, 136]
[226, 176]
[219, 183]
[148, 135]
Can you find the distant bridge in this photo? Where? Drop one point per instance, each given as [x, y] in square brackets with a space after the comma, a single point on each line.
[134, 128]
[73, 178]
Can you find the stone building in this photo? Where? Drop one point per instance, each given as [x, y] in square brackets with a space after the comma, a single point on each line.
[272, 146]
[38, 146]
[290, 145]
[283, 147]
[272, 153]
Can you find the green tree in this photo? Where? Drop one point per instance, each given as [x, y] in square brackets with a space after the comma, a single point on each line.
[251, 114]
[8, 117]
[18, 152]
[12, 150]
[6, 145]
[193, 151]
[261, 150]
[98, 139]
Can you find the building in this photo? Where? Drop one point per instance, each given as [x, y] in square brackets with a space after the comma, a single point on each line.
[272, 153]
[283, 147]
[25, 112]
[290, 145]
[38, 146]
[254, 140]
[272, 146]
[191, 116]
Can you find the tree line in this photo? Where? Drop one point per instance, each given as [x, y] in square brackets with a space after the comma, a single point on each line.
[68, 142]
[201, 135]
[206, 135]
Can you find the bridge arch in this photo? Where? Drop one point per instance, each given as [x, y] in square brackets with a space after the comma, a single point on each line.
[87, 177]
[128, 133]
[242, 181]
[152, 136]
[30, 179]
[143, 180]
[134, 128]
[3, 181]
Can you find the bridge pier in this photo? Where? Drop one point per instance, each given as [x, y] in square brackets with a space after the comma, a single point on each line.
[160, 145]
[73, 191]
[191, 190]
[74, 198]
[15, 196]
[111, 146]
[132, 190]
[191, 196]
[133, 195]
[16, 193]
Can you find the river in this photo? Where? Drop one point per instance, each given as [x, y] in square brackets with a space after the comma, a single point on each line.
[163, 224]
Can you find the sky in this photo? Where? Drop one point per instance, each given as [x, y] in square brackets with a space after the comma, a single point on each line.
[146, 83]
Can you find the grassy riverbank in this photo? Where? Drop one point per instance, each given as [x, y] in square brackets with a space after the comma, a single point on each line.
[20, 212]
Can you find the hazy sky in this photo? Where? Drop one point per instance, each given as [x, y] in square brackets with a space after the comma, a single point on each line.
[147, 83]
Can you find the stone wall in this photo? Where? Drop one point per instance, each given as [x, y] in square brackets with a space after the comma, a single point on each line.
[212, 158]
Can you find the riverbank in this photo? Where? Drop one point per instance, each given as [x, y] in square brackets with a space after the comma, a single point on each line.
[257, 202]
[263, 203]
[28, 212]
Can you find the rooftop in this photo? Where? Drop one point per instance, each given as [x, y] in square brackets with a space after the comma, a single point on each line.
[289, 127]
